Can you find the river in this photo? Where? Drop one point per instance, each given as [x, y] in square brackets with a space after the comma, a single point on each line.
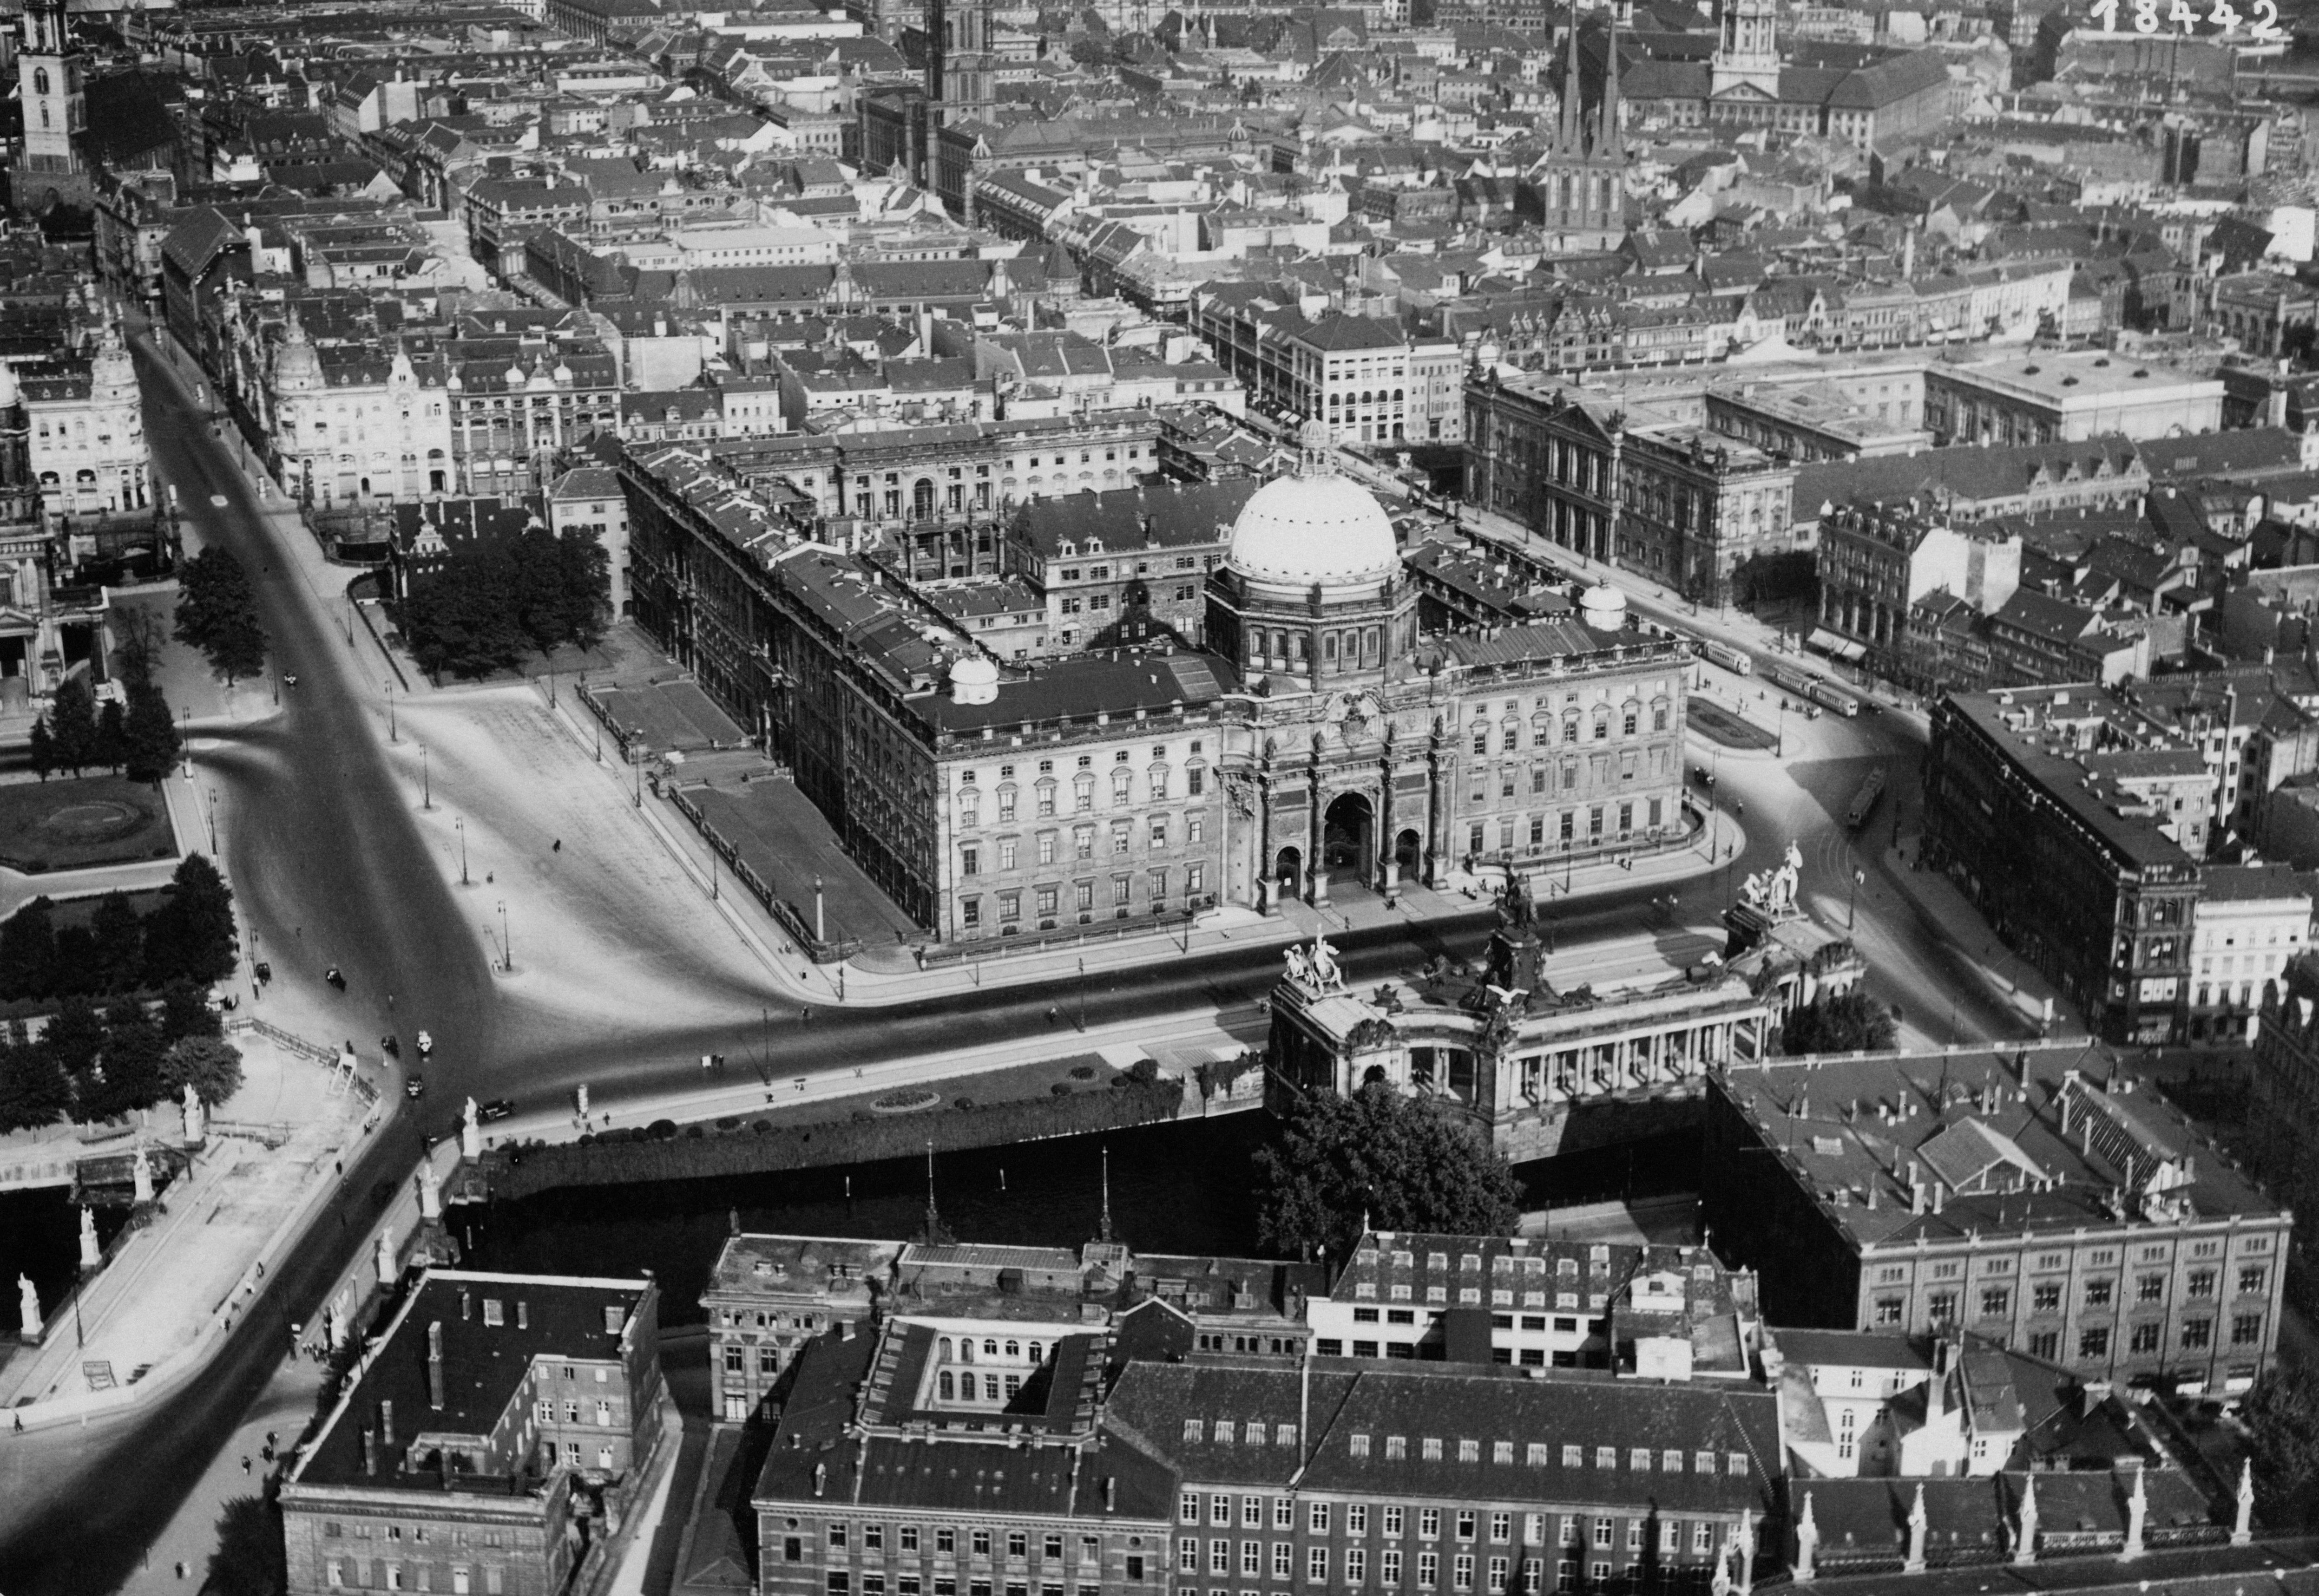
[1187, 1189]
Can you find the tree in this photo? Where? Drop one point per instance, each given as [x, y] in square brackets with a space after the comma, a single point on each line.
[148, 735]
[44, 749]
[117, 962]
[1847, 1023]
[185, 1012]
[112, 745]
[251, 1557]
[486, 602]
[586, 568]
[74, 1036]
[28, 951]
[466, 616]
[217, 613]
[211, 1063]
[137, 644]
[190, 935]
[34, 1091]
[72, 723]
[2282, 1422]
[128, 1073]
[1405, 1163]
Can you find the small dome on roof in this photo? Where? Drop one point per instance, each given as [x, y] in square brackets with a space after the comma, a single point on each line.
[1603, 607]
[973, 680]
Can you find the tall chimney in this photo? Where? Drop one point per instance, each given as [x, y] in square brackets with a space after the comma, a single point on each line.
[435, 1364]
[386, 1424]
[370, 1451]
[522, 1314]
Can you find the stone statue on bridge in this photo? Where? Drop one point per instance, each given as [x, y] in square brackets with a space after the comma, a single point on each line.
[197, 1125]
[1774, 891]
[28, 1308]
[142, 1172]
[471, 1130]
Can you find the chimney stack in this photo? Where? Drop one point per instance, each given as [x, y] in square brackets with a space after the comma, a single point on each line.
[370, 1451]
[435, 1364]
[522, 1314]
[386, 1424]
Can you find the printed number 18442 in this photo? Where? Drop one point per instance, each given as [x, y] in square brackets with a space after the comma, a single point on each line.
[2182, 15]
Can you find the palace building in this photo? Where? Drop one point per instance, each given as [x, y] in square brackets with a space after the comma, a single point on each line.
[1320, 743]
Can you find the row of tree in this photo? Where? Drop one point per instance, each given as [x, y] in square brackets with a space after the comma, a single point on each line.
[188, 936]
[217, 613]
[490, 600]
[92, 1064]
[138, 738]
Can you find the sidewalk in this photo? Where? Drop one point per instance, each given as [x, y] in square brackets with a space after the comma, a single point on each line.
[172, 1291]
[2006, 976]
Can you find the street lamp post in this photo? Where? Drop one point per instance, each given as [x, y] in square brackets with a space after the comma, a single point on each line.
[214, 847]
[1852, 903]
[186, 740]
[459, 824]
[506, 943]
[1083, 996]
[426, 780]
[393, 735]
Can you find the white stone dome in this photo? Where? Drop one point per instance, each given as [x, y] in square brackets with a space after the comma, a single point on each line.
[1315, 526]
[974, 680]
[1603, 607]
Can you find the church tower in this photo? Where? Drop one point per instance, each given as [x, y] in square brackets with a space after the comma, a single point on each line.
[1579, 184]
[1746, 50]
[960, 71]
[49, 73]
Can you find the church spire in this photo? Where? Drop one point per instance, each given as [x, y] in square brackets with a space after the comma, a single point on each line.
[1608, 139]
[1103, 1232]
[1571, 123]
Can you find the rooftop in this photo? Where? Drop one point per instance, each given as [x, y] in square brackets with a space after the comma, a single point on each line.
[1942, 1147]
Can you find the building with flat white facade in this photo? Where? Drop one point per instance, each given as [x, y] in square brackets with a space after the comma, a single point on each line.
[2049, 394]
[2252, 921]
[697, 247]
[86, 434]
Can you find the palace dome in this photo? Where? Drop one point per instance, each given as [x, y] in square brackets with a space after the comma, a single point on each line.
[1315, 527]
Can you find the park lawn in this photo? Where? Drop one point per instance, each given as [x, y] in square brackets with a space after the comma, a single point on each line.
[72, 823]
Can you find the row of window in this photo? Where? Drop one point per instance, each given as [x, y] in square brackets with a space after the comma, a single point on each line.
[1046, 845]
[363, 1575]
[1477, 835]
[2045, 1295]
[1045, 793]
[1046, 900]
[546, 1413]
[1508, 779]
[1393, 1519]
[1628, 720]
[842, 1536]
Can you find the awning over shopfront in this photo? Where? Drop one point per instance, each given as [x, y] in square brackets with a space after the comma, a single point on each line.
[1823, 641]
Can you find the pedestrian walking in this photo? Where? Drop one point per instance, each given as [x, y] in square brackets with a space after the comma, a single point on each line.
[559, 846]
[245, 1463]
[181, 1568]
